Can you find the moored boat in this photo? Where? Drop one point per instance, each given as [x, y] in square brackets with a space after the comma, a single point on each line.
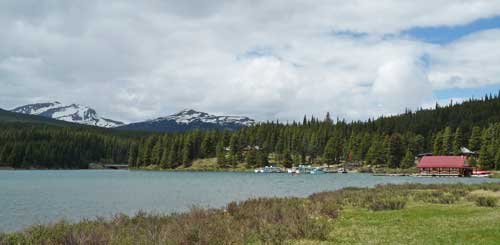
[480, 173]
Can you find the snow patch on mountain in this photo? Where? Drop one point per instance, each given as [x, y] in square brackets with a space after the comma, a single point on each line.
[71, 113]
[188, 116]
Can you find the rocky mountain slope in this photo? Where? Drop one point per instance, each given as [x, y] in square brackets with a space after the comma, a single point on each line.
[189, 119]
[74, 113]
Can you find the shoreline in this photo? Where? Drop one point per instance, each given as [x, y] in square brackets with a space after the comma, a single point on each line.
[392, 173]
[321, 216]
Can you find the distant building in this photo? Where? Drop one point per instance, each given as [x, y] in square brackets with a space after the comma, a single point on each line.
[468, 153]
[463, 152]
[444, 166]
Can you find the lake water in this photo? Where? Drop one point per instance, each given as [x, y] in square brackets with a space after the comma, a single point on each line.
[29, 197]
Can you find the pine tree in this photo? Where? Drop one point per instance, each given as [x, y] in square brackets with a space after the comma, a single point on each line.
[251, 157]
[328, 119]
[330, 153]
[132, 158]
[408, 160]
[164, 161]
[485, 157]
[173, 159]
[262, 158]
[156, 152]
[233, 151]
[437, 148]
[497, 161]
[221, 154]
[287, 159]
[187, 152]
[447, 141]
[475, 139]
[395, 151]
[457, 142]
[375, 154]
[206, 146]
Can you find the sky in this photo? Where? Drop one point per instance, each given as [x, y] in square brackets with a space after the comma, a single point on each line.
[266, 59]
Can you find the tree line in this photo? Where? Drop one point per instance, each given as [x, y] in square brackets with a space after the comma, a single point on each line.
[49, 147]
[387, 141]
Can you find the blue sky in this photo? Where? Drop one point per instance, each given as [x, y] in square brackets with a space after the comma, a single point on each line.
[466, 92]
[448, 34]
[443, 35]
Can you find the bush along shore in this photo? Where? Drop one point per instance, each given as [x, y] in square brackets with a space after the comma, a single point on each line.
[406, 214]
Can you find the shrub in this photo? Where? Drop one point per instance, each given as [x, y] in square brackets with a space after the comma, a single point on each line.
[486, 201]
[438, 196]
[259, 221]
[388, 204]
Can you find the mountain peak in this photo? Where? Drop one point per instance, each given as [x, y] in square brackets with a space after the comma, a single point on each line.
[188, 119]
[71, 113]
[189, 112]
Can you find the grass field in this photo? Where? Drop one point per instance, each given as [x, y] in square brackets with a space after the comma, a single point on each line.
[204, 165]
[462, 223]
[389, 214]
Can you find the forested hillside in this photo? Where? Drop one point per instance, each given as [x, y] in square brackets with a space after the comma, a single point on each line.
[7, 116]
[387, 141]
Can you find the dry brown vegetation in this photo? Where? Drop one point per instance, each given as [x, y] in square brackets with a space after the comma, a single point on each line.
[262, 220]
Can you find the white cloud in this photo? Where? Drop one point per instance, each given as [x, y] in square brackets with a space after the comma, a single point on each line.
[470, 62]
[401, 83]
[134, 60]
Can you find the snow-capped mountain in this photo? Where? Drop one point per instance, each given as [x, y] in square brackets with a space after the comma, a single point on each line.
[71, 113]
[189, 116]
[189, 119]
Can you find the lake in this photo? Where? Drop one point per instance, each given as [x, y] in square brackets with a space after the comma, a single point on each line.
[39, 196]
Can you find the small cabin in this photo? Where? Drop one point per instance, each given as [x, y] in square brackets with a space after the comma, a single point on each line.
[444, 166]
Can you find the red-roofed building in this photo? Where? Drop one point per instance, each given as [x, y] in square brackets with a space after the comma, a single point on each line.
[444, 166]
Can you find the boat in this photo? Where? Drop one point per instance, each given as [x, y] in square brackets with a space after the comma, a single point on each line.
[480, 173]
[304, 169]
[269, 169]
[317, 171]
[342, 170]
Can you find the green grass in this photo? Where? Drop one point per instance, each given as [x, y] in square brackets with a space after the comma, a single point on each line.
[420, 223]
[495, 174]
[204, 165]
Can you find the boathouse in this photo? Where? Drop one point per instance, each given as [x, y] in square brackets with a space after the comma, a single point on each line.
[444, 166]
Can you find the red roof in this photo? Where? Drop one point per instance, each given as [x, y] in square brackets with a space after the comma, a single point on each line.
[442, 162]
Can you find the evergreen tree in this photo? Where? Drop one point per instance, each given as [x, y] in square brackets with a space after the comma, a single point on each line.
[330, 153]
[287, 159]
[438, 144]
[395, 151]
[485, 157]
[164, 161]
[475, 139]
[221, 154]
[206, 146]
[132, 159]
[447, 141]
[233, 151]
[408, 160]
[251, 157]
[262, 158]
[156, 152]
[186, 152]
[457, 142]
[376, 155]
[496, 164]
[328, 119]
